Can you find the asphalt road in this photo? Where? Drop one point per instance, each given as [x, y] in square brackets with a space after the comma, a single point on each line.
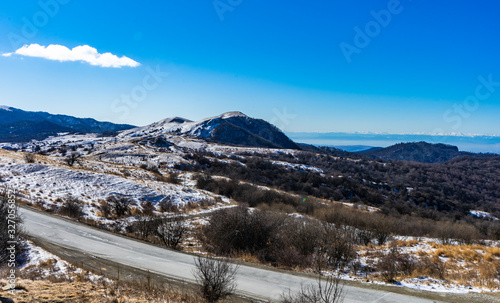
[252, 282]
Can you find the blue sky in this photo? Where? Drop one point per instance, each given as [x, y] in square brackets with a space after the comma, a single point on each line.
[422, 67]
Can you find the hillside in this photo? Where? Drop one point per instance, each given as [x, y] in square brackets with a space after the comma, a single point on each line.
[233, 128]
[130, 183]
[22, 126]
[419, 152]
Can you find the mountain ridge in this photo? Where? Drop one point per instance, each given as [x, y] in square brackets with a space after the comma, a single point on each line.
[234, 128]
[17, 125]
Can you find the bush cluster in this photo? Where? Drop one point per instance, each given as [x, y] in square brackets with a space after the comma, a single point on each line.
[278, 239]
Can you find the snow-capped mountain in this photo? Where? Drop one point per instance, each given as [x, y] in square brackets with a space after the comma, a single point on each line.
[233, 128]
[21, 126]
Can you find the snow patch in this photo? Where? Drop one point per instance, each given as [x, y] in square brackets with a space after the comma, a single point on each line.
[298, 166]
[40, 258]
[483, 215]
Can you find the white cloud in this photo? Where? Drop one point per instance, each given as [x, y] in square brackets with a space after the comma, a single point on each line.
[82, 53]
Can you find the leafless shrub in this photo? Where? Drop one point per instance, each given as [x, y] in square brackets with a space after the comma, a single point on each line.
[329, 291]
[298, 240]
[119, 205]
[148, 209]
[106, 209]
[63, 150]
[466, 234]
[339, 246]
[126, 173]
[171, 232]
[364, 236]
[290, 256]
[449, 232]
[494, 230]
[277, 238]
[204, 203]
[239, 230]
[143, 228]
[356, 266]
[151, 167]
[72, 158]
[433, 267]
[167, 205]
[174, 178]
[382, 230]
[203, 180]
[29, 157]
[307, 235]
[72, 207]
[216, 278]
[394, 264]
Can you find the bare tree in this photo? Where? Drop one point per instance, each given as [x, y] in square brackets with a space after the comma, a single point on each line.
[326, 290]
[216, 277]
[72, 207]
[144, 227]
[171, 232]
[330, 290]
[106, 209]
[338, 246]
[395, 263]
[72, 158]
[120, 205]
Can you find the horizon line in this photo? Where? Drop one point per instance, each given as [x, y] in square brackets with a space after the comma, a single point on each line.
[468, 135]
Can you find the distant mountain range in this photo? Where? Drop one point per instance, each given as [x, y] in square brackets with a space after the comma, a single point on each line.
[22, 126]
[419, 152]
[355, 148]
[233, 128]
[471, 143]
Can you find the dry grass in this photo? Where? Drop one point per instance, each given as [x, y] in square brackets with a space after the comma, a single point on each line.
[247, 257]
[467, 253]
[406, 243]
[474, 265]
[87, 292]
[45, 284]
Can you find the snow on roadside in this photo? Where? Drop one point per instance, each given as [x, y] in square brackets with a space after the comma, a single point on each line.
[435, 285]
[417, 247]
[46, 264]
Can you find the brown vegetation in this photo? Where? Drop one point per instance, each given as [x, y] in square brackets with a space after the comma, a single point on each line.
[438, 192]
[84, 291]
[216, 278]
[277, 239]
[72, 207]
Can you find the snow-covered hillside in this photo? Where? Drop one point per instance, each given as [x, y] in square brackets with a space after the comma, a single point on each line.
[232, 128]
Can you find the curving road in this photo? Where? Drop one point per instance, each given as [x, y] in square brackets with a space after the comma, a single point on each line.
[252, 282]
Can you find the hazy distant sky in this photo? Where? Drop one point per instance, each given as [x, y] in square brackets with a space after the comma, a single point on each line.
[301, 64]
